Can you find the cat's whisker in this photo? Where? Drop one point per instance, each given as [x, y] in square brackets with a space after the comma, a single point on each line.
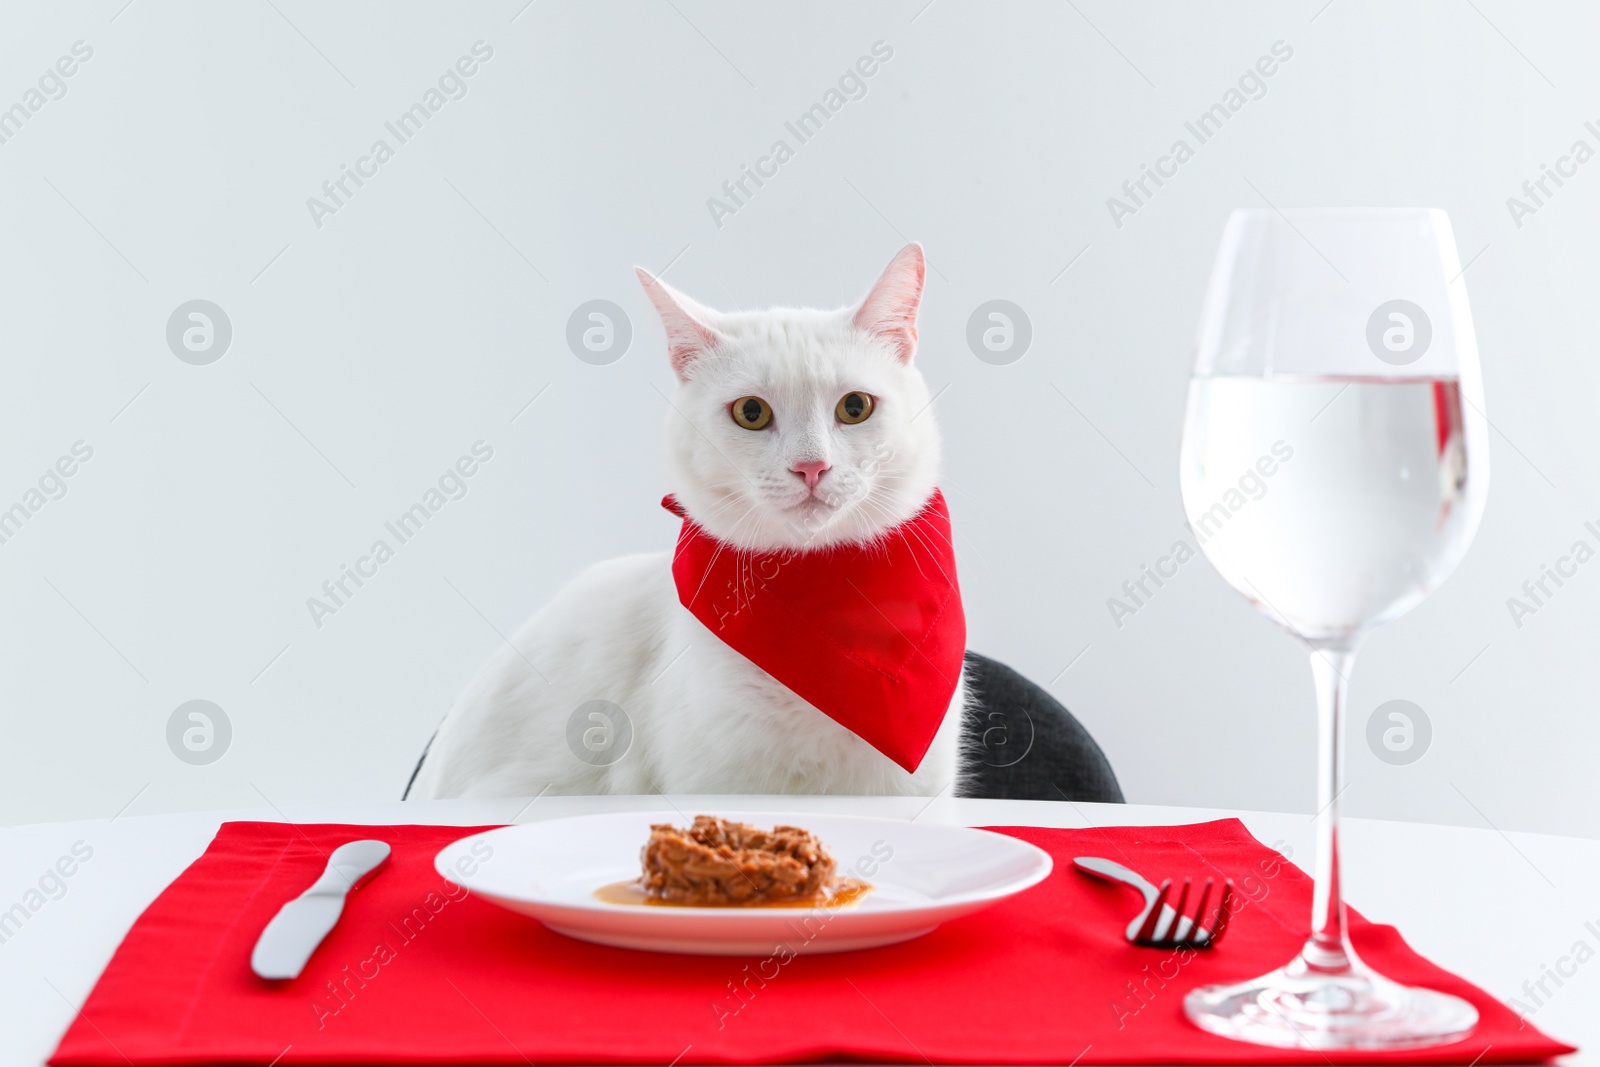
[952, 487]
[723, 506]
[933, 552]
[916, 559]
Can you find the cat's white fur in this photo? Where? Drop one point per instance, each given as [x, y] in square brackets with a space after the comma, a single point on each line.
[703, 718]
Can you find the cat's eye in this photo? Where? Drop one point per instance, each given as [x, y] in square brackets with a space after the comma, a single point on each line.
[752, 412]
[853, 408]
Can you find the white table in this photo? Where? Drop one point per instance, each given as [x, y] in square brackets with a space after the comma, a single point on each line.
[1498, 909]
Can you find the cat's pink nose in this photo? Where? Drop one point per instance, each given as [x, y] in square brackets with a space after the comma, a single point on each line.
[811, 471]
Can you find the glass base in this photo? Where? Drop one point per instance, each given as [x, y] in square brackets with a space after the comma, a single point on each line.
[1357, 1009]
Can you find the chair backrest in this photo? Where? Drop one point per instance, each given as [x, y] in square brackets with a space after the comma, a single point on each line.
[1021, 744]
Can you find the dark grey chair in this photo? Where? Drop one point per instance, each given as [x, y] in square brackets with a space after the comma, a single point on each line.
[1021, 744]
[1018, 744]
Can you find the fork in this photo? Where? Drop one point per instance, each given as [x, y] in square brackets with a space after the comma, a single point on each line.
[1163, 925]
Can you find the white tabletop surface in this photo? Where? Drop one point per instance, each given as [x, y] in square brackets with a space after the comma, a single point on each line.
[1499, 909]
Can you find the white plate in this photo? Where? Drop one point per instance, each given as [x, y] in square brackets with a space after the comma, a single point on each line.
[922, 875]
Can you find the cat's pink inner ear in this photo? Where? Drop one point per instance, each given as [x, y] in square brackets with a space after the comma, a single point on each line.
[689, 333]
[890, 309]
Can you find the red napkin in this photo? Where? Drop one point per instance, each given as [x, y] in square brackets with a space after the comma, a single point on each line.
[417, 972]
[886, 675]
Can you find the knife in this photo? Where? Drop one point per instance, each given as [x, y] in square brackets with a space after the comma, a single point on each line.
[300, 925]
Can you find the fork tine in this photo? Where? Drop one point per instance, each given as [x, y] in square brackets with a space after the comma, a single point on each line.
[1197, 935]
[1175, 933]
[1223, 914]
[1147, 930]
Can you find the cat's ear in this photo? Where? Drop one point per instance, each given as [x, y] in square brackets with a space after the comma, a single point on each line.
[890, 309]
[688, 324]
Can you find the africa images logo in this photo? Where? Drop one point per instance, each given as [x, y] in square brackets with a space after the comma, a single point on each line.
[452, 85]
[851, 85]
[1399, 332]
[1251, 85]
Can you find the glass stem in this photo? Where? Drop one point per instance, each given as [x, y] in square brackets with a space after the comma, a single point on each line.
[1328, 950]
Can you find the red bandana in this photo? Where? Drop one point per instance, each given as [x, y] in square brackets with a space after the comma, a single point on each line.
[871, 636]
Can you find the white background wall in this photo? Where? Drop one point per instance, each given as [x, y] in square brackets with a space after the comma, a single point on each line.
[369, 353]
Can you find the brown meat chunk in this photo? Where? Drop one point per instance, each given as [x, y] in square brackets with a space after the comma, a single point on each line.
[717, 862]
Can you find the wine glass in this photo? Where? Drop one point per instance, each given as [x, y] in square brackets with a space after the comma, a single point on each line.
[1334, 470]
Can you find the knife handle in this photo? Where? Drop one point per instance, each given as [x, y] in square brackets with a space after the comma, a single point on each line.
[351, 866]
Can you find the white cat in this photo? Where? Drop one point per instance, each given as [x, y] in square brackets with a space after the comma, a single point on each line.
[703, 718]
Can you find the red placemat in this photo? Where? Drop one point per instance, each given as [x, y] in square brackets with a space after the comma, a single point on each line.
[419, 972]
